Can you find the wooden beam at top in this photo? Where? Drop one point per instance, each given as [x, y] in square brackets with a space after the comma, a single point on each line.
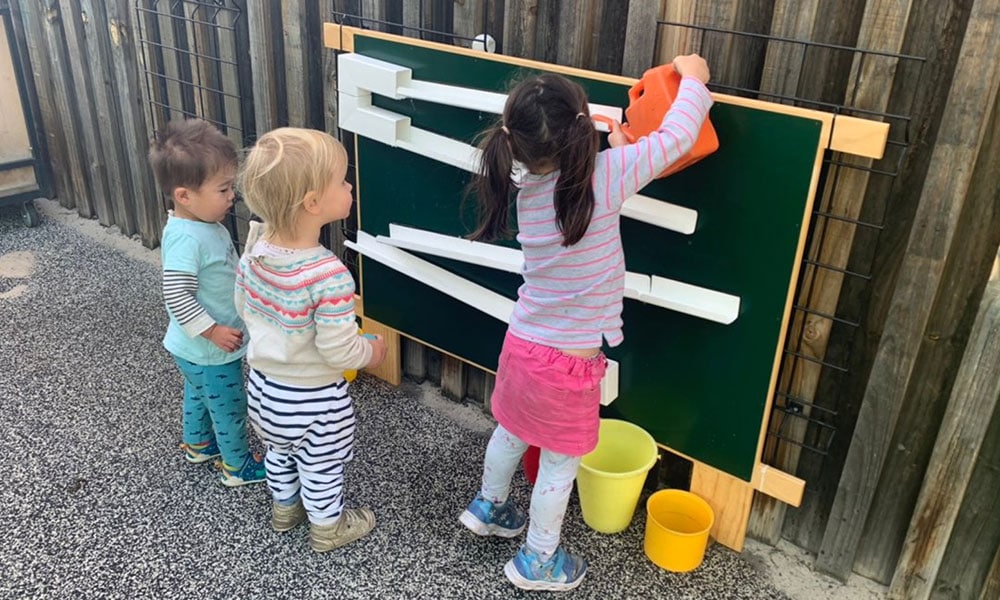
[841, 133]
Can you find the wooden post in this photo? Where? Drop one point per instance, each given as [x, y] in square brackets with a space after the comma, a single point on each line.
[973, 400]
[972, 95]
[298, 78]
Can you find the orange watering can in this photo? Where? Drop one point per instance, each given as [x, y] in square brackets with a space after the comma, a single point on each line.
[649, 99]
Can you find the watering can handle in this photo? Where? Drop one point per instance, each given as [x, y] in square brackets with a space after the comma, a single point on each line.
[610, 123]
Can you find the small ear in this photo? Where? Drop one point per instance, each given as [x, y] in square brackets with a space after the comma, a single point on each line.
[181, 196]
[311, 203]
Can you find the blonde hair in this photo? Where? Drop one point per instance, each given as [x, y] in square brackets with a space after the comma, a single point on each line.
[283, 167]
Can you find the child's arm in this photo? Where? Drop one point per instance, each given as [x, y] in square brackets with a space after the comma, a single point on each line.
[180, 295]
[337, 338]
[629, 168]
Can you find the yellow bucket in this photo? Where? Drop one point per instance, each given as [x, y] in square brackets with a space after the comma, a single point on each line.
[677, 526]
[611, 476]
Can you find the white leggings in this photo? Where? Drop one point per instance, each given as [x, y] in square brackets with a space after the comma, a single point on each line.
[550, 495]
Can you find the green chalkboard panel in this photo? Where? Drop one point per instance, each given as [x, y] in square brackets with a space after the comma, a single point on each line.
[698, 387]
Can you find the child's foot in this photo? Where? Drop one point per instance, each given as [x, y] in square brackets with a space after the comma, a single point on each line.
[252, 471]
[353, 524]
[563, 571]
[199, 453]
[285, 517]
[485, 518]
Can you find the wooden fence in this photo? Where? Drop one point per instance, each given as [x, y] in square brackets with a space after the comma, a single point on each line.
[886, 404]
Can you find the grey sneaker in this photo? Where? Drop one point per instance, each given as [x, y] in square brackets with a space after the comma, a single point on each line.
[354, 524]
[285, 517]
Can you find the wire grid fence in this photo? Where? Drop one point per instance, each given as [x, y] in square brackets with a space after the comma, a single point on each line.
[192, 56]
[809, 423]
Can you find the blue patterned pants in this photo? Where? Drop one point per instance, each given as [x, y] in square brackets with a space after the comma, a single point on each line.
[215, 407]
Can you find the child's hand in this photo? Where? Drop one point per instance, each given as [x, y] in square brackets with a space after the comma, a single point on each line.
[617, 136]
[378, 351]
[692, 65]
[226, 338]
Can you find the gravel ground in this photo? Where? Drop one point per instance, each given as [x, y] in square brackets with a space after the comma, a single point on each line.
[100, 504]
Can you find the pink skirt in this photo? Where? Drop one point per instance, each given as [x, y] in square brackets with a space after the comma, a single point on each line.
[547, 398]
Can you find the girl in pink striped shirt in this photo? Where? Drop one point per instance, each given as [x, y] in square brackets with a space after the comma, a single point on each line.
[569, 200]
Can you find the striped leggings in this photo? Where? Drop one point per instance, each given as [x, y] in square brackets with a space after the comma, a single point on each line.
[309, 433]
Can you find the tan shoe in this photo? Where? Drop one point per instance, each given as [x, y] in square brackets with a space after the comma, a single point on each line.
[285, 517]
[354, 524]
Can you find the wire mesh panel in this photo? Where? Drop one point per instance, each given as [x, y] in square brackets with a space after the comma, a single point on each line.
[194, 65]
[191, 67]
[851, 208]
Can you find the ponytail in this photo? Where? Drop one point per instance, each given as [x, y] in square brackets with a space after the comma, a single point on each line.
[493, 187]
[574, 194]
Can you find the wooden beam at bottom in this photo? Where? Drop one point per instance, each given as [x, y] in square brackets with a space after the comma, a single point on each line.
[391, 369]
[730, 499]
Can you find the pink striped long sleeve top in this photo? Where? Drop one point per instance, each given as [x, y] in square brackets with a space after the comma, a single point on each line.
[572, 296]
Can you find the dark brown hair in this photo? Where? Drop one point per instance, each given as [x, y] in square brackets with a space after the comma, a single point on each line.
[188, 152]
[548, 127]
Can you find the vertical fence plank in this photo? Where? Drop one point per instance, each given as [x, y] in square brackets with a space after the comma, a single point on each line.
[792, 19]
[519, 33]
[97, 175]
[95, 32]
[975, 539]
[413, 18]
[942, 199]
[611, 25]
[263, 64]
[576, 33]
[826, 71]
[468, 20]
[31, 15]
[452, 378]
[991, 589]
[414, 360]
[640, 36]
[226, 42]
[142, 27]
[374, 14]
[135, 134]
[675, 39]
[959, 440]
[296, 48]
[169, 77]
[70, 126]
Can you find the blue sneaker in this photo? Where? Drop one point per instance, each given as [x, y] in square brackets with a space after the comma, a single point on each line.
[562, 572]
[252, 471]
[199, 453]
[485, 518]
